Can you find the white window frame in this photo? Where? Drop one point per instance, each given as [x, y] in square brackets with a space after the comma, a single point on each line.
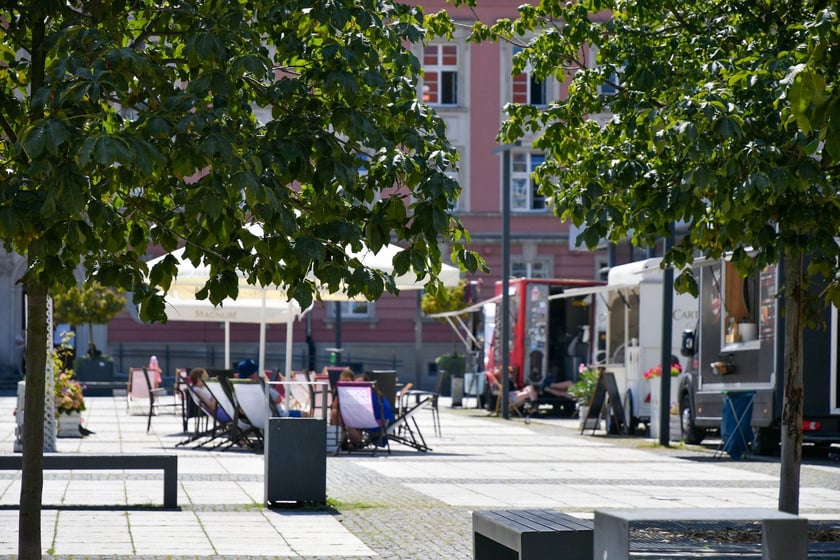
[533, 87]
[523, 188]
[533, 268]
[441, 68]
[353, 310]
[605, 88]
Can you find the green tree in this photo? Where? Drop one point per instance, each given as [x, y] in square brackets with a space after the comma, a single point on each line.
[137, 122]
[90, 305]
[449, 299]
[700, 129]
[814, 97]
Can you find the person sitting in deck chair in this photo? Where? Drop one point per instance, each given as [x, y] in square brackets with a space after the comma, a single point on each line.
[516, 397]
[197, 377]
[345, 375]
[557, 388]
[248, 369]
[383, 413]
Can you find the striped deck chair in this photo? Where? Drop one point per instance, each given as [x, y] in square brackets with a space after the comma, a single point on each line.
[358, 407]
[241, 432]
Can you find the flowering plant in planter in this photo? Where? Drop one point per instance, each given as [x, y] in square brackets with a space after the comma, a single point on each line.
[68, 394]
[656, 371]
[584, 388]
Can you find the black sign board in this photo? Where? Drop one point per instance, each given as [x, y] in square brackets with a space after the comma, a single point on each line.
[607, 400]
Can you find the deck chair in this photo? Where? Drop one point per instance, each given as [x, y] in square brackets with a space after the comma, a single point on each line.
[357, 411]
[240, 431]
[302, 393]
[323, 394]
[141, 394]
[523, 410]
[251, 400]
[211, 424]
[405, 429]
[188, 408]
[431, 398]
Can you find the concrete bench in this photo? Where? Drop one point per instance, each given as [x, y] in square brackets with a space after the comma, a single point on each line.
[784, 536]
[76, 461]
[530, 535]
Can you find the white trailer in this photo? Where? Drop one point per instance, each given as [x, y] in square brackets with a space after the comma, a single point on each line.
[628, 325]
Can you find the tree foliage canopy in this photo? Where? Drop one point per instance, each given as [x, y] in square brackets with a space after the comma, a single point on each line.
[721, 116]
[135, 123]
[725, 117]
[87, 304]
[132, 123]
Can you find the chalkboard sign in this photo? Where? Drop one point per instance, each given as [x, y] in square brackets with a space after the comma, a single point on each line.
[607, 400]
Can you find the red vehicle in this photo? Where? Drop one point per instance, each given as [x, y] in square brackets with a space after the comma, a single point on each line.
[550, 333]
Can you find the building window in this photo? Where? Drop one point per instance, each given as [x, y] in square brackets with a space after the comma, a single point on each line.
[529, 269]
[524, 195]
[610, 85]
[527, 90]
[440, 74]
[352, 310]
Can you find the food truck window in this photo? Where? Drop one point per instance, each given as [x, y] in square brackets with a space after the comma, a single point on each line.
[740, 296]
[620, 332]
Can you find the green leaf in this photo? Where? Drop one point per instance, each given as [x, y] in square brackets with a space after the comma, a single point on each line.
[34, 141]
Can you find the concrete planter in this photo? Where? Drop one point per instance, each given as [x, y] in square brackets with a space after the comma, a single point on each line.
[67, 425]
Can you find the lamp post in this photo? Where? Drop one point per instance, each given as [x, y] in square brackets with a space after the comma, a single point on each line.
[667, 333]
[505, 335]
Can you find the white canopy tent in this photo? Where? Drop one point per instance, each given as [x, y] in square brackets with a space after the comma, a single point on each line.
[267, 305]
[263, 306]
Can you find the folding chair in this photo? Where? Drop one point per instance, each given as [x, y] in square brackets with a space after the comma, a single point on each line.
[405, 429]
[736, 431]
[431, 398]
[241, 432]
[140, 391]
[253, 405]
[357, 409]
[301, 392]
[205, 432]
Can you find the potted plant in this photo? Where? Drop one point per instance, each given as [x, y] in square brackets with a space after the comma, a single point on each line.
[69, 403]
[584, 389]
[453, 365]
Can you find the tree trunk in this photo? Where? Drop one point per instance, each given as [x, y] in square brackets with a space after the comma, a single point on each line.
[32, 468]
[32, 478]
[791, 454]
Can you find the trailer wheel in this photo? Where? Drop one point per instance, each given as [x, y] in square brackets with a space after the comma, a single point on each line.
[630, 418]
[690, 432]
[767, 442]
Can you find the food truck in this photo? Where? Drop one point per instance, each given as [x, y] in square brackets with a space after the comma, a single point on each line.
[549, 336]
[738, 345]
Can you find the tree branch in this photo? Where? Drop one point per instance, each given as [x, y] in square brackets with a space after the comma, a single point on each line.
[7, 128]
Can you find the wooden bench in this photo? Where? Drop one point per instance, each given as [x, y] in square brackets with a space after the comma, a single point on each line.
[784, 536]
[530, 535]
[92, 461]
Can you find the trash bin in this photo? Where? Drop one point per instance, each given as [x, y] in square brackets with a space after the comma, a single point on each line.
[457, 390]
[736, 431]
[296, 461]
